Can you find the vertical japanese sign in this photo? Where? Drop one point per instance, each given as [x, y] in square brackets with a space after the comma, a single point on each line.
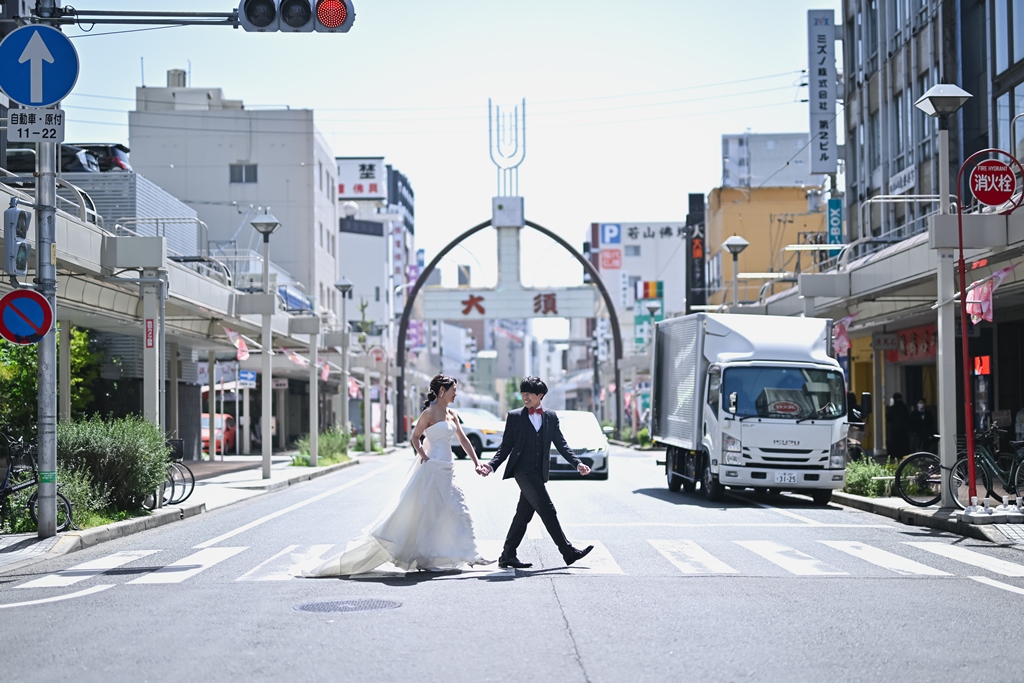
[821, 89]
[696, 293]
[150, 329]
[835, 224]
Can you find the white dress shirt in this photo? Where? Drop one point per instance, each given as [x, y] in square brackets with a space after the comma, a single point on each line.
[536, 419]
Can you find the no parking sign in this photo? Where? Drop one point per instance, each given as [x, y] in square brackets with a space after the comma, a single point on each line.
[25, 316]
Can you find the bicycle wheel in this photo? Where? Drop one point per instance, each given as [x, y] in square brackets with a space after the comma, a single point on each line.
[958, 486]
[63, 510]
[188, 481]
[919, 479]
[178, 477]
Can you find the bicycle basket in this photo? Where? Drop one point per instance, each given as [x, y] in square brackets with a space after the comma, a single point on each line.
[856, 432]
[21, 457]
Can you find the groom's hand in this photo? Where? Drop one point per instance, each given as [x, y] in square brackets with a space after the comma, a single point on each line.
[583, 469]
[484, 469]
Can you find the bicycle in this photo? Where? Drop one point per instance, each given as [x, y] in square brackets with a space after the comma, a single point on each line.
[919, 479]
[997, 481]
[21, 473]
[179, 483]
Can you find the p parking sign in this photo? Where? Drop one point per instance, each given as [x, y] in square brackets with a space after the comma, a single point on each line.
[611, 233]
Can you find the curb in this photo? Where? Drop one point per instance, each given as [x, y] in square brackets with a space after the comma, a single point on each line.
[923, 517]
[73, 541]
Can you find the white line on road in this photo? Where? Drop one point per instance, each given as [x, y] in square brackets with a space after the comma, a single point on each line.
[997, 584]
[884, 559]
[187, 567]
[86, 570]
[970, 557]
[806, 520]
[790, 559]
[292, 508]
[599, 561]
[252, 572]
[690, 558]
[58, 598]
[752, 525]
[535, 530]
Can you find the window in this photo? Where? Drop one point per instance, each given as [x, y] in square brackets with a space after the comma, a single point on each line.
[874, 142]
[1017, 10]
[1003, 120]
[378, 293]
[632, 250]
[898, 132]
[320, 164]
[714, 388]
[243, 173]
[1001, 36]
[321, 235]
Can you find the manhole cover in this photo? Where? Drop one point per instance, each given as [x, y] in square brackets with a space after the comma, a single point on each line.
[348, 606]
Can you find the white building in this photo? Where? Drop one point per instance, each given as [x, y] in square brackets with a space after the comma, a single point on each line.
[226, 162]
[767, 159]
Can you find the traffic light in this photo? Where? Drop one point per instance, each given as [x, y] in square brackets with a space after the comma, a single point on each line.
[296, 16]
[16, 249]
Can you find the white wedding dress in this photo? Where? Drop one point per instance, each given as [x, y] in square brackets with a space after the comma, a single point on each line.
[426, 527]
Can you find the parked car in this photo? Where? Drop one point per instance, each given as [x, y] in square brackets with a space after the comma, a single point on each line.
[224, 433]
[483, 428]
[587, 440]
[21, 158]
[111, 156]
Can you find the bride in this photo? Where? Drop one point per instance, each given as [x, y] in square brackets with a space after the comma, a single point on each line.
[427, 526]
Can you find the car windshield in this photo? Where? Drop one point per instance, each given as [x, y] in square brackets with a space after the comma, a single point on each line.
[784, 392]
[219, 422]
[579, 427]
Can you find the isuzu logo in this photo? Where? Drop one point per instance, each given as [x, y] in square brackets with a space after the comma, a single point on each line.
[786, 442]
[784, 407]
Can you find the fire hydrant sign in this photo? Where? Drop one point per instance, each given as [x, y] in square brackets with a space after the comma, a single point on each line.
[992, 182]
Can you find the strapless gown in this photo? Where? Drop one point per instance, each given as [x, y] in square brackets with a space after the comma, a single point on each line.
[427, 526]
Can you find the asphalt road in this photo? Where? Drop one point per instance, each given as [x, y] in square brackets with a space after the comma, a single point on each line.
[767, 588]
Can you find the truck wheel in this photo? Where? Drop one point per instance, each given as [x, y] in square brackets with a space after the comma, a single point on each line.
[821, 496]
[674, 480]
[713, 491]
[690, 485]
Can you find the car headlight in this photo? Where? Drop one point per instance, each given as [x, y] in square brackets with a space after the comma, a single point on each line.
[733, 450]
[837, 456]
[489, 431]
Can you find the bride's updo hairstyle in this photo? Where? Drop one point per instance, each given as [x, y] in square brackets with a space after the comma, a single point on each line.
[439, 383]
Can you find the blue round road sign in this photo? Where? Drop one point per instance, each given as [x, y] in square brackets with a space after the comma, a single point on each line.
[25, 316]
[38, 66]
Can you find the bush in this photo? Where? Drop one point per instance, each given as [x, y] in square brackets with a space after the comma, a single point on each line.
[859, 474]
[86, 502]
[360, 440]
[126, 458]
[332, 447]
[626, 434]
[645, 438]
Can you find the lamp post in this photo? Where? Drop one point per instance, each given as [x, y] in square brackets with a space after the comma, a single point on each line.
[266, 224]
[735, 245]
[344, 285]
[942, 101]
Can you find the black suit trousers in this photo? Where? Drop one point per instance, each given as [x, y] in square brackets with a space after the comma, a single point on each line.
[533, 497]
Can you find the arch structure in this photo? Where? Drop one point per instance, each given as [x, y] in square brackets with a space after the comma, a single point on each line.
[403, 326]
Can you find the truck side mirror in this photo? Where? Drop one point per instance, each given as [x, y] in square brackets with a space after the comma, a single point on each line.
[732, 402]
[865, 404]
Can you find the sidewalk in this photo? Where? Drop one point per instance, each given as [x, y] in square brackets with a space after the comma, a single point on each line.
[218, 483]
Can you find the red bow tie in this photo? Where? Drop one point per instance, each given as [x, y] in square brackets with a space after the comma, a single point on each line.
[535, 411]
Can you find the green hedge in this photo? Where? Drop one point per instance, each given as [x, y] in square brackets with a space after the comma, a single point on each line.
[860, 474]
[332, 447]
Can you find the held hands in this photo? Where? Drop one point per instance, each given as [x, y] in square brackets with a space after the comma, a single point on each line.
[483, 469]
[583, 469]
[423, 457]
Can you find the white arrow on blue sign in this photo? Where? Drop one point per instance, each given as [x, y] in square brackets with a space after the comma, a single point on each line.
[38, 66]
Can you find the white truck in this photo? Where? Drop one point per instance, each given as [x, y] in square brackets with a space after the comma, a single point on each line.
[749, 401]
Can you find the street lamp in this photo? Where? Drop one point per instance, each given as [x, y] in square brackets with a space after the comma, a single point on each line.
[942, 101]
[735, 245]
[652, 307]
[344, 285]
[266, 224]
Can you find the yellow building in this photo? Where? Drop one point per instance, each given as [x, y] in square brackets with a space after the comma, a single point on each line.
[769, 218]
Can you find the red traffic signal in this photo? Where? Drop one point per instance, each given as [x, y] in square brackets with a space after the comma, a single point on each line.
[296, 16]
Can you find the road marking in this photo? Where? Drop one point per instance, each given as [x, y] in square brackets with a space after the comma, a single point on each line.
[884, 559]
[291, 567]
[292, 508]
[599, 561]
[698, 525]
[187, 567]
[970, 557]
[87, 570]
[806, 520]
[790, 559]
[252, 572]
[535, 530]
[690, 558]
[58, 598]
[997, 584]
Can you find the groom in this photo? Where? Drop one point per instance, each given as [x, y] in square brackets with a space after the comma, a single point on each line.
[529, 433]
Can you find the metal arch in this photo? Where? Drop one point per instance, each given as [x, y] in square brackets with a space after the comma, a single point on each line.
[403, 325]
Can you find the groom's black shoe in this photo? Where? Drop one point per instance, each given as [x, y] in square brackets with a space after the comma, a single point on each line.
[573, 554]
[506, 562]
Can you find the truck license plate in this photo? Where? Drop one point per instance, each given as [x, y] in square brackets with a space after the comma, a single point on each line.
[785, 477]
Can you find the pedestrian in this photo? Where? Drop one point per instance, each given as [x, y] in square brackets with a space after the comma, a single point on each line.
[922, 427]
[897, 427]
[526, 444]
[427, 526]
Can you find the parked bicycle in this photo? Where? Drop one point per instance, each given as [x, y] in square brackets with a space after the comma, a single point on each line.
[998, 474]
[22, 472]
[178, 484]
[919, 479]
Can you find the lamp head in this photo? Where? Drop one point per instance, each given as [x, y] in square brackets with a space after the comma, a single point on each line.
[653, 307]
[735, 244]
[343, 285]
[265, 224]
[942, 100]
[350, 209]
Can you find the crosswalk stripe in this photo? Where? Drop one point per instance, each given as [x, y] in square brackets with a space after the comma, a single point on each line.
[599, 561]
[884, 559]
[187, 567]
[291, 566]
[690, 558]
[87, 570]
[790, 559]
[970, 557]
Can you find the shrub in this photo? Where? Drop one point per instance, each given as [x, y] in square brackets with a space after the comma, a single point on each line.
[859, 478]
[360, 440]
[86, 501]
[125, 457]
[645, 438]
[332, 447]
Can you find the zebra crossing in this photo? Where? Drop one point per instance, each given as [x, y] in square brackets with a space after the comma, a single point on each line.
[681, 557]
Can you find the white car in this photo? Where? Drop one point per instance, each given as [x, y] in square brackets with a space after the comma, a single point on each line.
[587, 440]
[483, 428]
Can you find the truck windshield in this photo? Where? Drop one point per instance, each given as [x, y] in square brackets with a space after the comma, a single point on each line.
[784, 392]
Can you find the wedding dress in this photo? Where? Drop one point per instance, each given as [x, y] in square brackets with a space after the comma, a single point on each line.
[427, 526]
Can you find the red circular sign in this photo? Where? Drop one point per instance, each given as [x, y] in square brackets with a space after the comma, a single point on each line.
[992, 182]
[377, 354]
[784, 408]
[25, 316]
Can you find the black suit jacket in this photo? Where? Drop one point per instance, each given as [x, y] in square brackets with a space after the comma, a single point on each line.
[513, 441]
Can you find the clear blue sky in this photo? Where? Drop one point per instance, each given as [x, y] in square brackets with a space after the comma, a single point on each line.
[626, 101]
